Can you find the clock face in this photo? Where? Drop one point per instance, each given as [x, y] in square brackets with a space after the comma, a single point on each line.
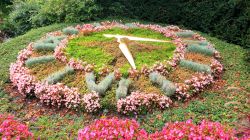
[116, 66]
[95, 48]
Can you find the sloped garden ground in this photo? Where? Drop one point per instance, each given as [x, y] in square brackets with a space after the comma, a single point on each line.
[227, 102]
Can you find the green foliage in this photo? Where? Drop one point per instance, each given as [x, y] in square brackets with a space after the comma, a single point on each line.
[108, 102]
[185, 34]
[167, 87]
[39, 60]
[70, 31]
[21, 15]
[58, 76]
[36, 13]
[41, 46]
[122, 90]
[103, 86]
[195, 66]
[56, 127]
[226, 19]
[200, 49]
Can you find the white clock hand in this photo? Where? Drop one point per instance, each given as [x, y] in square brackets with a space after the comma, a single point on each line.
[134, 38]
[124, 48]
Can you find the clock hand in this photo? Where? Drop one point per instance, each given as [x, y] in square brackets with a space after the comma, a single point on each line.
[134, 38]
[124, 48]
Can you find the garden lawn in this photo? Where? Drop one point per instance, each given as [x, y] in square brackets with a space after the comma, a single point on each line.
[226, 103]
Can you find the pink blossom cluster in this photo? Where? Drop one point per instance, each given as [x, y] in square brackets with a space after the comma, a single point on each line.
[24, 54]
[133, 73]
[160, 68]
[137, 101]
[181, 91]
[91, 102]
[20, 77]
[188, 130]
[12, 129]
[178, 54]
[58, 53]
[194, 85]
[145, 70]
[216, 68]
[85, 28]
[56, 33]
[167, 31]
[198, 37]
[125, 129]
[76, 64]
[57, 95]
[113, 128]
[200, 82]
[174, 28]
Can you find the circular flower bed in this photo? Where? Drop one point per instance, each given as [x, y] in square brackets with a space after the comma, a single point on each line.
[51, 92]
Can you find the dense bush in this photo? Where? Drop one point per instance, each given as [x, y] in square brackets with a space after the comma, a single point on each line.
[226, 19]
[27, 14]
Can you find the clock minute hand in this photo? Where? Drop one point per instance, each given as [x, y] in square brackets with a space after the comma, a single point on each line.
[135, 38]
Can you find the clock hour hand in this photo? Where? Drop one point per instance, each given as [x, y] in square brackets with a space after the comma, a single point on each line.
[124, 48]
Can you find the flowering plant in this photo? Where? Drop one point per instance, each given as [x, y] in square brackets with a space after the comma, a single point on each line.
[12, 129]
[57, 95]
[138, 102]
[113, 128]
[91, 102]
[216, 68]
[200, 82]
[188, 130]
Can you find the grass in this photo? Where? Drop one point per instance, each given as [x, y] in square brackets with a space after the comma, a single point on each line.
[215, 105]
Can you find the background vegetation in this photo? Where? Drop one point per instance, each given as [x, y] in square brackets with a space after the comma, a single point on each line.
[225, 19]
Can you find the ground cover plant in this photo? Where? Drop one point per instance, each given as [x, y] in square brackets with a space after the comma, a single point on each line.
[210, 101]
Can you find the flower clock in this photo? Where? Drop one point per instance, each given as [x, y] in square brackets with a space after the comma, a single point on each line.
[126, 67]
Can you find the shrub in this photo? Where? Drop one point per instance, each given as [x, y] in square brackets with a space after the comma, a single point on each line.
[70, 31]
[185, 34]
[167, 87]
[12, 129]
[41, 46]
[39, 60]
[21, 15]
[200, 49]
[102, 87]
[122, 90]
[57, 76]
[195, 66]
